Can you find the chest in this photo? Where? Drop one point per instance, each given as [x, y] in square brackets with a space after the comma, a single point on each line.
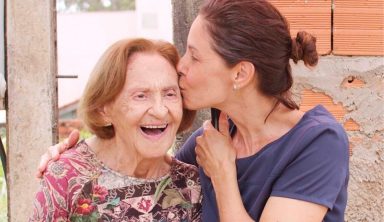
[156, 201]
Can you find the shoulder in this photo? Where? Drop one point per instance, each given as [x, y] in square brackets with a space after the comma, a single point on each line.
[319, 124]
[75, 162]
[317, 135]
[68, 175]
[187, 152]
[191, 141]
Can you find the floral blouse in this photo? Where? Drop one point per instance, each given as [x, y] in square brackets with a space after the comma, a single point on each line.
[78, 187]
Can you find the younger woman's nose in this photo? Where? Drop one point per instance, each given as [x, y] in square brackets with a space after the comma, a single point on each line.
[180, 66]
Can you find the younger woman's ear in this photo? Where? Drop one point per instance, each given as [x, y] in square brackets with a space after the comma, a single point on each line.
[245, 74]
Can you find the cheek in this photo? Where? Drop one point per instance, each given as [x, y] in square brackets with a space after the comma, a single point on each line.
[133, 113]
[177, 111]
[196, 79]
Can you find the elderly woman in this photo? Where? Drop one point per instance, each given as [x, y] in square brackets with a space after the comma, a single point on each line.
[132, 104]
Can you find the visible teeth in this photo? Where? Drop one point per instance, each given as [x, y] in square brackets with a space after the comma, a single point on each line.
[156, 127]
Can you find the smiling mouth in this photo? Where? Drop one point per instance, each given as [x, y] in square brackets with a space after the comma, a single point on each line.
[152, 130]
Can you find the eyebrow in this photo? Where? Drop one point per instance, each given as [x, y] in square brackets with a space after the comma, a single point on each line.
[174, 87]
[148, 89]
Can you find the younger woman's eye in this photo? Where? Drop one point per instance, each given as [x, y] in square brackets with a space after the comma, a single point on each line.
[193, 58]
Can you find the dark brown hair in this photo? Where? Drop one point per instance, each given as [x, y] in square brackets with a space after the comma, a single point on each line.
[255, 31]
[108, 78]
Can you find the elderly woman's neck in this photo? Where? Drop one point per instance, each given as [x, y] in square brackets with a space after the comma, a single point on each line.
[115, 155]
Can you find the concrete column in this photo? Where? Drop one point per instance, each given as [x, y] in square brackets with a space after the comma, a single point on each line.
[2, 72]
[32, 96]
[184, 12]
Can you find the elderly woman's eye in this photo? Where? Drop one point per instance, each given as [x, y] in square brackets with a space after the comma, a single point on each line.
[140, 96]
[171, 93]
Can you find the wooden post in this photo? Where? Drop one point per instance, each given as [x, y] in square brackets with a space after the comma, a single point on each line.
[32, 97]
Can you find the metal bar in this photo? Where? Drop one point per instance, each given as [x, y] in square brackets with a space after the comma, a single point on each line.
[67, 76]
[3, 158]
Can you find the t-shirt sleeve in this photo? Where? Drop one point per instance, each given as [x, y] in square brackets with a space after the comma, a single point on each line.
[50, 203]
[187, 153]
[319, 170]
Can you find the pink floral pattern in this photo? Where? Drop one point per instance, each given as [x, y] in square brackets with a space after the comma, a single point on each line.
[84, 207]
[70, 191]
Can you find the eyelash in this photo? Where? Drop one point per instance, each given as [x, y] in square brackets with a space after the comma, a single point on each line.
[171, 94]
[168, 94]
[140, 96]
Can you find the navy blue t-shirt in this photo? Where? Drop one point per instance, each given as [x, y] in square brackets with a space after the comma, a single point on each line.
[309, 163]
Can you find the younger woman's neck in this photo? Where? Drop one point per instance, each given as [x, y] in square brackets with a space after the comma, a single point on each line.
[249, 112]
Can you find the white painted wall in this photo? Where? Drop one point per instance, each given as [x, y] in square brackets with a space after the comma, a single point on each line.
[81, 40]
[154, 19]
[83, 37]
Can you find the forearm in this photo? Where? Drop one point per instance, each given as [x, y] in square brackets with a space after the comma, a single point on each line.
[228, 198]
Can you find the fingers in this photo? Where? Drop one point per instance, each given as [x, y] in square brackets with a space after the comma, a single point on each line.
[43, 164]
[223, 124]
[198, 160]
[71, 140]
[201, 159]
[199, 149]
[53, 152]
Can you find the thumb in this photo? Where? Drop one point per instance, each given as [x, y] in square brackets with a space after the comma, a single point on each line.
[207, 125]
[223, 124]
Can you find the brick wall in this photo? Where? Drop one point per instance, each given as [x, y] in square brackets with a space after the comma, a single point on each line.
[349, 82]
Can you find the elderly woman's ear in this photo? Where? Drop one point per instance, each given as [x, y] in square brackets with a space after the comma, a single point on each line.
[105, 114]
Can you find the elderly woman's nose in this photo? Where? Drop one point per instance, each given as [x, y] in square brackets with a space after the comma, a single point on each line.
[159, 109]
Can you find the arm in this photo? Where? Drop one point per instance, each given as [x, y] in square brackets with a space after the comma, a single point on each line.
[187, 153]
[276, 209]
[216, 155]
[292, 210]
[304, 192]
[312, 182]
[226, 188]
[54, 152]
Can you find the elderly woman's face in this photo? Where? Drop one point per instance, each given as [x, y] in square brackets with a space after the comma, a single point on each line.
[205, 80]
[148, 111]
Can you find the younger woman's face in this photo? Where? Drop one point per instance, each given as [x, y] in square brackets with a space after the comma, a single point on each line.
[204, 77]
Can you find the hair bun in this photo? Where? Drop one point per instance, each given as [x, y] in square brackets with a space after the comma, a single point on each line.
[304, 48]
